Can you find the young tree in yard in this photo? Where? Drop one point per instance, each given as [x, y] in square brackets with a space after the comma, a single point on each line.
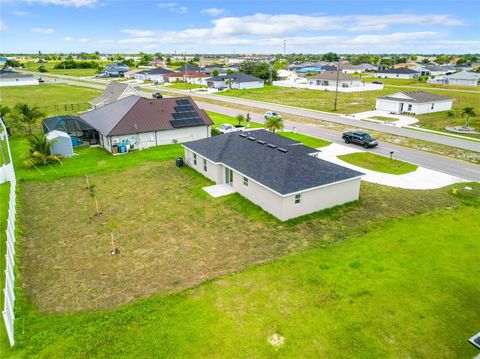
[26, 117]
[113, 231]
[240, 119]
[468, 112]
[39, 153]
[92, 192]
[215, 73]
[274, 123]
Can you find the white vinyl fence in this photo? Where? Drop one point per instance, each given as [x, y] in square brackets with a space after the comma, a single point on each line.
[7, 174]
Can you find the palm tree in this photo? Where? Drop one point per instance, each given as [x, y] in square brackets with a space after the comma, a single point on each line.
[26, 116]
[468, 112]
[274, 123]
[39, 153]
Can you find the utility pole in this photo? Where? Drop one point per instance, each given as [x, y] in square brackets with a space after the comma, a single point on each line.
[336, 87]
[270, 68]
[284, 47]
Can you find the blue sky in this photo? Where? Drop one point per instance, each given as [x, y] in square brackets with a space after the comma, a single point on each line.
[240, 26]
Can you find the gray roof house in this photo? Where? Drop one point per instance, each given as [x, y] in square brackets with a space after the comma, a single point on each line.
[401, 73]
[281, 175]
[142, 123]
[463, 78]
[115, 91]
[414, 102]
[237, 80]
[329, 78]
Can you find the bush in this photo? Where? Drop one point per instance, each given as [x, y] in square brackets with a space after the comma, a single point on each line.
[72, 64]
[215, 132]
[42, 68]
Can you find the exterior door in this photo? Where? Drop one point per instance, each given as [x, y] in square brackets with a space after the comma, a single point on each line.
[401, 107]
[228, 176]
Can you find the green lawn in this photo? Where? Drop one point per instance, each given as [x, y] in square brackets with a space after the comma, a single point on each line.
[374, 162]
[220, 119]
[306, 140]
[53, 98]
[33, 66]
[386, 294]
[383, 118]
[361, 101]
[185, 86]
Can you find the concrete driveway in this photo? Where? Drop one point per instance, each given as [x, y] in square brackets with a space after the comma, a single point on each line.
[402, 120]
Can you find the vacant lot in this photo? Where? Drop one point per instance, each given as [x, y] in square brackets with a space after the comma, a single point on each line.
[361, 101]
[33, 66]
[374, 162]
[171, 234]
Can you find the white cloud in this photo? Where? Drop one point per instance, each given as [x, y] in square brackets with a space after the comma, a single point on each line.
[213, 11]
[138, 41]
[139, 33]
[41, 30]
[68, 39]
[3, 27]
[19, 13]
[84, 40]
[173, 6]
[75, 3]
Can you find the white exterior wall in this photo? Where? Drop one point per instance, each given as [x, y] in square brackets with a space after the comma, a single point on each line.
[156, 78]
[282, 207]
[246, 85]
[462, 82]
[140, 77]
[417, 108]
[151, 139]
[316, 82]
[387, 105]
[395, 76]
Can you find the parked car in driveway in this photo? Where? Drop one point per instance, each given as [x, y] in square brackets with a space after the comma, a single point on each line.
[272, 114]
[377, 83]
[227, 128]
[360, 138]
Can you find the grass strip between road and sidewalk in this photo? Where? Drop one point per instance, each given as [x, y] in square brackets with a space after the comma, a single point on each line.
[374, 162]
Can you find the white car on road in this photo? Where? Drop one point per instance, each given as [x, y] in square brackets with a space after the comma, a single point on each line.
[272, 114]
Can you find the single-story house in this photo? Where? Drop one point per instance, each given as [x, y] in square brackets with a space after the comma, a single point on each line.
[414, 102]
[60, 143]
[352, 69]
[287, 75]
[400, 73]
[282, 176]
[436, 70]
[189, 68]
[189, 76]
[154, 75]
[209, 69]
[238, 81]
[12, 78]
[115, 69]
[115, 91]
[463, 78]
[329, 78]
[142, 123]
[130, 74]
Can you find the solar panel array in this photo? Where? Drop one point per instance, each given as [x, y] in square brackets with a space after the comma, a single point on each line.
[185, 115]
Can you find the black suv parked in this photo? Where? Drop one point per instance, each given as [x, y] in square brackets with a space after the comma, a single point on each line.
[360, 138]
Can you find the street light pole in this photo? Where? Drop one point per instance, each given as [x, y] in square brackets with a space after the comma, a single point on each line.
[336, 87]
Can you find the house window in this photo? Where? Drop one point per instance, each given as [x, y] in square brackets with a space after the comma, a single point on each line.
[298, 198]
[245, 181]
[409, 108]
[195, 159]
[205, 165]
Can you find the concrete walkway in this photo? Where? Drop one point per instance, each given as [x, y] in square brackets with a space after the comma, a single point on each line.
[218, 190]
[402, 120]
[421, 178]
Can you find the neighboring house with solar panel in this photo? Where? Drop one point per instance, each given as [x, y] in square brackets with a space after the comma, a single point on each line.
[115, 91]
[414, 102]
[280, 175]
[141, 123]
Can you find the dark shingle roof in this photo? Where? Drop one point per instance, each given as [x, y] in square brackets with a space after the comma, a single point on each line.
[158, 71]
[417, 96]
[188, 67]
[236, 77]
[283, 172]
[400, 70]
[135, 114]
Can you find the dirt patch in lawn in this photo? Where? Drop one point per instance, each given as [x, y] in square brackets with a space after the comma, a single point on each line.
[171, 234]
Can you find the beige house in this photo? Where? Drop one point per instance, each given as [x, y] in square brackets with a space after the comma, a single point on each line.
[282, 176]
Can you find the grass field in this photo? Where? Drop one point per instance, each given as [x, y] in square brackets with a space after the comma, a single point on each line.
[349, 103]
[374, 162]
[52, 98]
[306, 140]
[33, 66]
[384, 118]
[185, 86]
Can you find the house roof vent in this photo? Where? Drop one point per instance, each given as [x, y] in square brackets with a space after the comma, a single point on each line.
[251, 138]
[271, 145]
[243, 135]
[262, 142]
[281, 149]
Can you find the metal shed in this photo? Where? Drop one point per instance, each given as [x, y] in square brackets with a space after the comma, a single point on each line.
[60, 143]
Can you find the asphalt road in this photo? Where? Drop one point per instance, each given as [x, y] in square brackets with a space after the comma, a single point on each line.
[428, 160]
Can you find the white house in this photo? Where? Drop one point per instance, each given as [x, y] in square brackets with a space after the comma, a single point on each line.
[280, 175]
[414, 102]
[329, 78]
[238, 81]
[114, 91]
[400, 73]
[137, 123]
[11, 78]
[287, 75]
[463, 78]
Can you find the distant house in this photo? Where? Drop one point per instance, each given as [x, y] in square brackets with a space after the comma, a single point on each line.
[130, 74]
[329, 78]
[115, 69]
[287, 75]
[437, 70]
[115, 91]
[136, 123]
[282, 176]
[12, 78]
[238, 81]
[209, 69]
[414, 102]
[189, 76]
[189, 68]
[154, 75]
[400, 73]
[463, 78]
[352, 69]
